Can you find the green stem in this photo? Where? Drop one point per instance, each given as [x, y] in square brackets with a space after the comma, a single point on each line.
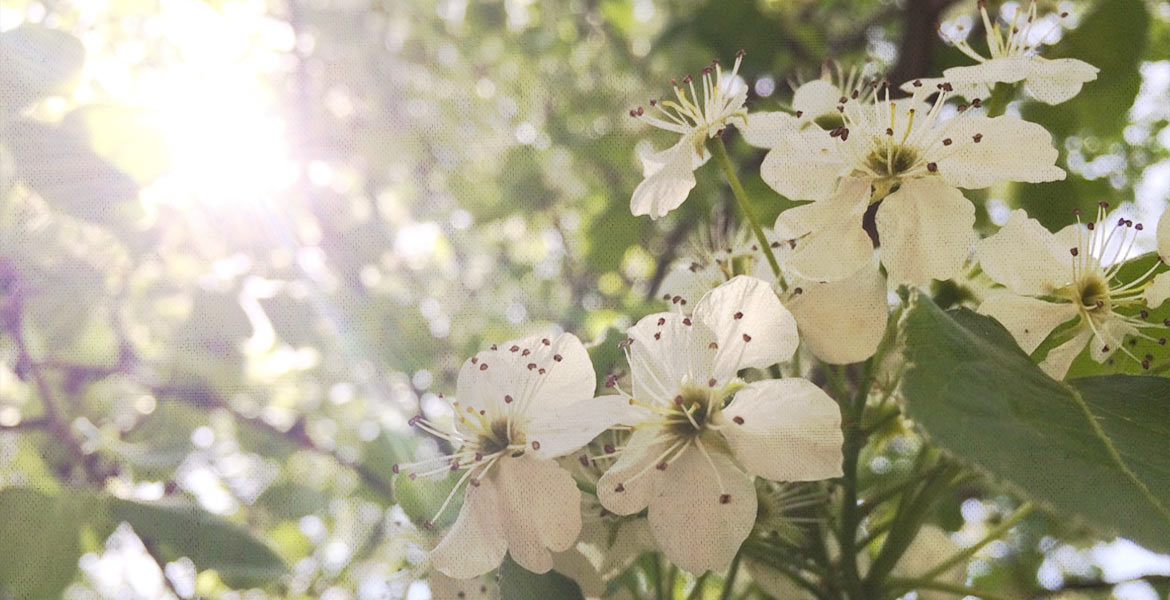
[729, 582]
[1001, 94]
[850, 517]
[698, 589]
[659, 590]
[720, 151]
[997, 532]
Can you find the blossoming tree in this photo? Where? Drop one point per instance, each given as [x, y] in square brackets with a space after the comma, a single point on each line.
[458, 327]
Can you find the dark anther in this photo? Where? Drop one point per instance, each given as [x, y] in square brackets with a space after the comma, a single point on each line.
[747, 338]
[724, 498]
[738, 420]
[932, 167]
[978, 137]
[737, 316]
[1074, 251]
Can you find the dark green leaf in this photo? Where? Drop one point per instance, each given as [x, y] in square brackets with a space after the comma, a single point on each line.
[174, 530]
[516, 583]
[38, 544]
[977, 395]
[1112, 38]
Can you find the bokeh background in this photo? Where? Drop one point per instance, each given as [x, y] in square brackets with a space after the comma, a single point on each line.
[243, 241]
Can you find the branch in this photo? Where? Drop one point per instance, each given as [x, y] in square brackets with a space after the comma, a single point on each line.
[206, 398]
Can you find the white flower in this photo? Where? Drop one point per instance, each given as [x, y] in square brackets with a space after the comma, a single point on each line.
[1069, 276]
[840, 322]
[903, 161]
[670, 174]
[1012, 57]
[480, 588]
[701, 433]
[814, 104]
[606, 548]
[520, 404]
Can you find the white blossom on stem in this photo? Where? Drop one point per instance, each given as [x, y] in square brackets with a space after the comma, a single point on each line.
[696, 115]
[1013, 57]
[701, 434]
[1070, 277]
[904, 162]
[519, 405]
[839, 322]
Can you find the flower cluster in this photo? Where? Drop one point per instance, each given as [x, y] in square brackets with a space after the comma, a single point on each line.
[682, 453]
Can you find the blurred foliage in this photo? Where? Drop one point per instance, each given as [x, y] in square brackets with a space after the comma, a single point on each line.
[215, 330]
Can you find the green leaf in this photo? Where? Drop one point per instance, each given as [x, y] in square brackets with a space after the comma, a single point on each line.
[1052, 203]
[60, 165]
[290, 500]
[1089, 449]
[174, 530]
[36, 62]
[421, 498]
[516, 583]
[1112, 38]
[38, 544]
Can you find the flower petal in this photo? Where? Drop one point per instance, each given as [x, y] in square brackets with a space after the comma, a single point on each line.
[831, 243]
[514, 369]
[751, 326]
[670, 176]
[785, 430]
[560, 430]
[475, 544]
[1029, 320]
[816, 98]
[667, 350]
[1007, 69]
[702, 515]
[1027, 258]
[765, 129]
[1009, 149]
[635, 472]
[925, 231]
[577, 566]
[1109, 336]
[967, 90]
[804, 165]
[1159, 290]
[843, 321]
[479, 588]
[542, 510]
[1053, 81]
[1060, 358]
